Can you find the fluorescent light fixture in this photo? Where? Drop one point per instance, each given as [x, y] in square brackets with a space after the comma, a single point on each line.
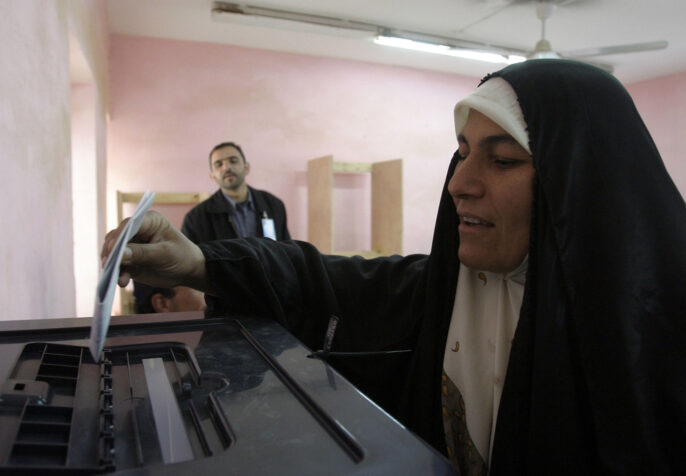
[447, 50]
[285, 20]
[411, 44]
[512, 59]
[478, 56]
[319, 24]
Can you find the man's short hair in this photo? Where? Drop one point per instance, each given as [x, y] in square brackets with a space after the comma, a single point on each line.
[142, 297]
[227, 144]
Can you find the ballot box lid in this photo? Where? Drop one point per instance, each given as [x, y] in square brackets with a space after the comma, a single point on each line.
[174, 394]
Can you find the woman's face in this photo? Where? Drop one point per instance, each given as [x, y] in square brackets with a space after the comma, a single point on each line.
[492, 188]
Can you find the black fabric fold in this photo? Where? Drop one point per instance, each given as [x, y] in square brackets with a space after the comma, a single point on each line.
[599, 348]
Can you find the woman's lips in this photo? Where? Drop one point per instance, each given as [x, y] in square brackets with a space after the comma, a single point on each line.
[472, 223]
[471, 219]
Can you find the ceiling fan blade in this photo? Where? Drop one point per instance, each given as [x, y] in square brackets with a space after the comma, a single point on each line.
[606, 66]
[613, 50]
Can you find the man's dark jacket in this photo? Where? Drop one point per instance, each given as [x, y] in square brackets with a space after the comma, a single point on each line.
[211, 219]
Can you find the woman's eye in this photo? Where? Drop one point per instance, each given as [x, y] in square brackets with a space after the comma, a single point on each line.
[505, 163]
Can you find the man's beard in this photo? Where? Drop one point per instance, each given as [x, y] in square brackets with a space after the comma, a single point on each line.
[236, 184]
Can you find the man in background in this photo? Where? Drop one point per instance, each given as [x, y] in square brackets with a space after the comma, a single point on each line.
[149, 299]
[236, 210]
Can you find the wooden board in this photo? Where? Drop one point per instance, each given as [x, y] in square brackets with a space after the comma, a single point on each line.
[387, 207]
[320, 203]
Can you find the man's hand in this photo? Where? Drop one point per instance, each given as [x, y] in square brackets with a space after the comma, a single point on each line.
[159, 255]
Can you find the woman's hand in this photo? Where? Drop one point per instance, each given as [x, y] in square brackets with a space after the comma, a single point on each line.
[159, 255]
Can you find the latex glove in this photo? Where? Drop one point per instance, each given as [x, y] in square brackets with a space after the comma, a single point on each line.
[159, 255]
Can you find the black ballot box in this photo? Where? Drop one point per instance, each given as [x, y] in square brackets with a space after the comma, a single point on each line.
[178, 394]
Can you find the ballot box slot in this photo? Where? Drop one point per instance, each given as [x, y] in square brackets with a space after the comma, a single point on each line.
[137, 437]
[337, 431]
[142, 401]
[52, 433]
[200, 432]
[186, 377]
[171, 432]
[219, 419]
[132, 401]
[47, 414]
[92, 443]
[60, 359]
[38, 455]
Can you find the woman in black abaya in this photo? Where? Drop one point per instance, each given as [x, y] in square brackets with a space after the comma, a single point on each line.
[597, 371]
[591, 296]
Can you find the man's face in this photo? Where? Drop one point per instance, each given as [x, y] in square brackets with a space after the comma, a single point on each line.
[228, 168]
[187, 299]
[492, 188]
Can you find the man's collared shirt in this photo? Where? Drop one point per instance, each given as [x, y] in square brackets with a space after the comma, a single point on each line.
[244, 216]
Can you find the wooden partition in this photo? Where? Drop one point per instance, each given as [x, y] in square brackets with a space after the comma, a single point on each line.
[126, 294]
[160, 199]
[387, 205]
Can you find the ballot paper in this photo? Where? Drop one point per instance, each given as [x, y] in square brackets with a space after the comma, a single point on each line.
[107, 284]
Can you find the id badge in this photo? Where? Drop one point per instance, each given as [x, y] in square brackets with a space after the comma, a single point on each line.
[268, 230]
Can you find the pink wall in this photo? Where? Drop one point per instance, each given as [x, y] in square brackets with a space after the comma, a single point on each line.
[171, 101]
[36, 262]
[37, 243]
[662, 103]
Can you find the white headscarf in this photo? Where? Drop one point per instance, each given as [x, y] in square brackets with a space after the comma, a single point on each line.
[487, 305]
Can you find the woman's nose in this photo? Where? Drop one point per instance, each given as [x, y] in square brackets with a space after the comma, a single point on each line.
[466, 180]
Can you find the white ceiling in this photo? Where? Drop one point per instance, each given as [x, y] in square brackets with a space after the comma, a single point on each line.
[573, 25]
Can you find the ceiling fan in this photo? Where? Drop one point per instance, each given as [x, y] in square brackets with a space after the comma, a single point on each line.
[543, 48]
[275, 18]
